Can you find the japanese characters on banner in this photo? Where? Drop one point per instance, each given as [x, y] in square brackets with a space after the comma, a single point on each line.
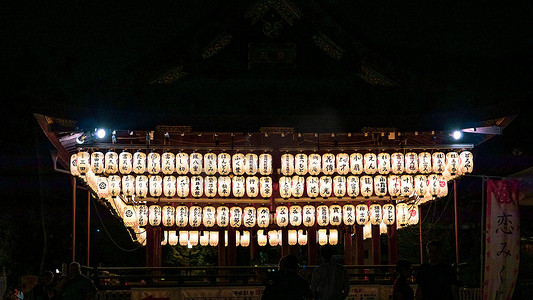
[502, 243]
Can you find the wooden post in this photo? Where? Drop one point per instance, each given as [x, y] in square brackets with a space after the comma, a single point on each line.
[393, 244]
[359, 245]
[74, 186]
[153, 246]
[221, 248]
[312, 253]
[347, 246]
[285, 248]
[88, 227]
[376, 245]
[232, 247]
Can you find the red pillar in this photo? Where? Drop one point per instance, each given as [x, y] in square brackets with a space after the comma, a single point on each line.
[359, 245]
[221, 248]
[312, 250]
[376, 245]
[153, 246]
[232, 247]
[393, 244]
[347, 246]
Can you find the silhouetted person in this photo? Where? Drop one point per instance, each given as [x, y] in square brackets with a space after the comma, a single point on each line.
[401, 289]
[286, 283]
[76, 286]
[436, 279]
[330, 279]
[43, 290]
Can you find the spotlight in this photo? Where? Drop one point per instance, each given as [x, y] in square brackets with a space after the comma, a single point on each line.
[457, 134]
[100, 133]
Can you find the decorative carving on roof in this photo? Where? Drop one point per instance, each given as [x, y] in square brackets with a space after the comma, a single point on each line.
[327, 45]
[373, 77]
[219, 43]
[272, 23]
[170, 76]
[259, 53]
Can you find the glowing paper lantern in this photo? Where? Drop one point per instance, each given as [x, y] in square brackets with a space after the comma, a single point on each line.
[322, 236]
[195, 163]
[352, 186]
[213, 238]
[245, 239]
[397, 163]
[297, 186]
[74, 165]
[406, 185]
[168, 216]
[424, 163]
[300, 164]
[273, 238]
[265, 186]
[348, 214]
[302, 237]
[249, 216]
[197, 186]
[263, 217]
[210, 163]
[83, 162]
[141, 186]
[420, 185]
[183, 237]
[375, 214]
[223, 216]
[204, 238]
[168, 162]
[103, 187]
[238, 163]
[129, 218]
[343, 163]
[261, 238]
[389, 214]
[193, 238]
[362, 216]
[443, 187]
[314, 166]
[224, 163]
[384, 165]
[128, 185]
[295, 215]
[209, 216]
[394, 184]
[328, 163]
[452, 162]
[282, 216]
[195, 216]
[164, 240]
[182, 163]
[111, 162]
[125, 162]
[292, 237]
[252, 186]
[370, 163]
[156, 185]
[224, 186]
[182, 186]
[114, 185]
[466, 159]
[210, 186]
[265, 164]
[91, 180]
[411, 163]
[97, 162]
[380, 185]
[312, 186]
[287, 164]
[172, 237]
[285, 187]
[250, 164]
[142, 212]
[402, 214]
[169, 186]
[154, 163]
[154, 215]
[438, 162]
[367, 186]
[325, 186]
[367, 231]
[139, 162]
[339, 186]
[335, 215]
[413, 215]
[237, 184]
[182, 216]
[322, 215]
[356, 163]
[235, 214]
[308, 215]
[333, 236]
[383, 228]
[433, 184]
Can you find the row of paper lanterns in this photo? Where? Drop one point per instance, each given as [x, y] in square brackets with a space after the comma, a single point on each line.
[250, 164]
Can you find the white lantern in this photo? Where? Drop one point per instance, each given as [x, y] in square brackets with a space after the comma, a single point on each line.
[362, 216]
[154, 215]
[265, 186]
[129, 216]
[182, 216]
[314, 166]
[223, 216]
[168, 162]
[438, 162]
[195, 163]
[184, 237]
[91, 180]
[235, 214]
[265, 164]
[103, 187]
[238, 163]
[273, 238]
[97, 162]
[413, 215]
[367, 231]
[114, 185]
[433, 184]
[297, 186]
[421, 185]
[195, 216]
[394, 184]
[224, 163]
[168, 216]
[308, 215]
[389, 214]
[164, 240]
[383, 228]
[245, 239]
[182, 163]
[210, 163]
[343, 163]
[333, 237]
[466, 164]
[292, 236]
[74, 165]
[356, 163]
[339, 186]
[402, 214]
[282, 216]
[209, 216]
[125, 162]
[111, 162]
[322, 236]
[397, 163]
[250, 163]
[335, 215]
[139, 162]
[156, 185]
[172, 237]
[375, 214]
[204, 238]
[287, 164]
[128, 185]
[325, 186]
[118, 206]
[367, 186]
[263, 217]
[141, 186]
[302, 237]
[300, 164]
[443, 187]
[193, 238]
[210, 186]
[285, 187]
[424, 163]
[411, 163]
[348, 214]
[295, 215]
[384, 165]
[182, 186]
[142, 214]
[352, 186]
[237, 184]
[252, 186]
[261, 238]
[380, 185]
[154, 163]
[83, 162]
[224, 186]
[322, 215]
[406, 185]
[249, 216]
[328, 163]
[370, 163]
[213, 238]
[169, 186]
[452, 162]
[312, 186]
[197, 186]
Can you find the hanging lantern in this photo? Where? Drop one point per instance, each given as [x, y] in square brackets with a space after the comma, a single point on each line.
[328, 163]
[300, 164]
[367, 186]
[195, 216]
[154, 163]
[252, 186]
[413, 215]
[222, 216]
[224, 186]
[139, 162]
[335, 215]
[141, 186]
[261, 238]
[182, 163]
[184, 237]
[265, 186]
[111, 162]
[210, 163]
[370, 163]
[362, 216]
[287, 164]
[452, 162]
[292, 236]
[438, 162]
[235, 214]
[250, 164]
[213, 238]
[380, 185]
[103, 187]
[433, 184]
[169, 186]
[352, 186]
[91, 180]
[389, 214]
[129, 217]
[209, 216]
[197, 186]
[333, 237]
[83, 162]
[265, 164]
[308, 215]
[383, 228]
[375, 214]
[238, 163]
[295, 215]
[74, 165]
[168, 163]
[164, 240]
[142, 214]
[339, 186]
[343, 163]
[210, 186]
[273, 238]
[224, 163]
[325, 186]
[384, 165]
[394, 184]
[263, 217]
[245, 239]
[397, 163]
[182, 216]
[402, 214]
[322, 215]
[314, 166]
[424, 163]
[238, 186]
[302, 237]
[97, 162]
[367, 231]
[118, 206]
[204, 238]
[443, 187]
[312, 186]
[322, 236]
[282, 216]
[154, 215]
[421, 185]
[168, 216]
[114, 185]
[406, 185]
[125, 162]
[193, 238]
[195, 163]
[297, 186]
[466, 164]
[172, 237]
[411, 163]
[249, 216]
[285, 187]
[356, 163]
[156, 185]
[348, 214]
[182, 186]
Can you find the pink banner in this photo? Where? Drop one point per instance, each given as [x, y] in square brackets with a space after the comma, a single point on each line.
[502, 245]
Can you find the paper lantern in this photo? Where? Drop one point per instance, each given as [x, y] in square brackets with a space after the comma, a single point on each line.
[282, 216]
[111, 162]
[380, 185]
[367, 186]
[375, 214]
[443, 187]
[328, 163]
[172, 238]
[348, 214]
[193, 237]
[210, 163]
[235, 216]
[389, 214]
[224, 186]
[335, 215]
[142, 212]
[352, 186]
[141, 238]
[295, 215]
[333, 237]
[183, 237]
[397, 163]
[237, 185]
[169, 186]
[370, 163]
[420, 185]
[168, 215]
[252, 186]
[356, 163]
[265, 164]
[394, 185]
[312, 186]
[343, 163]
[308, 215]
[164, 240]
[413, 215]
[129, 218]
[362, 216]
[224, 163]
[322, 236]
[265, 186]
[141, 186]
[139, 162]
[83, 162]
[204, 238]
[114, 185]
[222, 216]
[213, 238]
[402, 214]
[452, 162]
[411, 163]
[118, 205]
[263, 217]
[406, 185]
[168, 162]
[433, 184]
[300, 164]
[154, 215]
[302, 237]
[250, 163]
[210, 186]
[74, 165]
[424, 163]
[195, 163]
[466, 162]
[325, 186]
[195, 216]
[182, 216]
[156, 185]
[237, 161]
[249, 216]
[384, 165]
[182, 186]
[209, 216]
[91, 180]
[292, 236]
[273, 238]
[125, 162]
[367, 231]
[314, 162]
[322, 215]
[261, 238]
[153, 163]
[197, 186]
[287, 164]
[97, 162]
[285, 187]
[103, 187]
[383, 228]
[245, 239]
[438, 162]
[339, 186]
[182, 163]
[297, 186]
